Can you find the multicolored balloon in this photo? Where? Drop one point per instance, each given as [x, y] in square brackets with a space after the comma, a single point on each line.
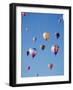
[42, 47]
[46, 36]
[50, 66]
[55, 49]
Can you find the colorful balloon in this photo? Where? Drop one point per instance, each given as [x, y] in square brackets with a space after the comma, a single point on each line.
[45, 35]
[42, 47]
[50, 66]
[55, 49]
[57, 35]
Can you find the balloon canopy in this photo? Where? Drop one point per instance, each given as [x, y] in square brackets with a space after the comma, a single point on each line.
[46, 36]
[50, 66]
[28, 67]
[57, 34]
[42, 47]
[55, 49]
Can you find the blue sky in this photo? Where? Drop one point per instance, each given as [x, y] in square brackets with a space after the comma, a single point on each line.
[38, 24]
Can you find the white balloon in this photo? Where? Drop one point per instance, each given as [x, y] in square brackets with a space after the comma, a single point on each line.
[52, 49]
[31, 51]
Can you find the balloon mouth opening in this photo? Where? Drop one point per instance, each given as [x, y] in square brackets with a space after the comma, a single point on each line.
[46, 39]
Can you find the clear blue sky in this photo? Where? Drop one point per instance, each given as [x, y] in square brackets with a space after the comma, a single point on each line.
[38, 24]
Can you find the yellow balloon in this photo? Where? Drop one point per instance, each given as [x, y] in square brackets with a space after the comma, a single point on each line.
[46, 35]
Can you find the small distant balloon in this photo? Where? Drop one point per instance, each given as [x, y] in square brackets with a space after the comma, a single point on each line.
[42, 47]
[55, 49]
[28, 67]
[50, 66]
[34, 39]
[27, 53]
[23, 13]
[57, 34]
[46, 36]
[61, 19]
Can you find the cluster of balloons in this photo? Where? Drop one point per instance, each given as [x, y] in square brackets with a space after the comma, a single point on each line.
[54, 49]
[32, 52]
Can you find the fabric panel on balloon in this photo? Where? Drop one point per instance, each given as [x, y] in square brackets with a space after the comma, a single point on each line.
[42, 44]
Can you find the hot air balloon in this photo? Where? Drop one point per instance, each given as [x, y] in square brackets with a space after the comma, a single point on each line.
[23, 14]
[57, 34]
[42, 47]
[45, 35]
[55, 49]
[33, 52]
[50, 66]
[34, 39]
[61, 19]
[28, 67]
[27, 53]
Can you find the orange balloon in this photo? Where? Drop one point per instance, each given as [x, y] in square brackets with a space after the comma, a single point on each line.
[45, 35]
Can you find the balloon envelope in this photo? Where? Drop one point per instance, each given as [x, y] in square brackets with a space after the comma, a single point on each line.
[50, 66]
[57, 35]
[28, 67]
[42, 47]
[55, 49]
[45, 35]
